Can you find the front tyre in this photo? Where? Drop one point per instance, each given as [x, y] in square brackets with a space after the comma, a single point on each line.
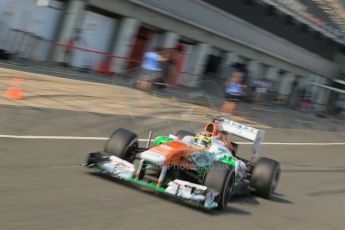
[265, 177]
[122, 143]
[221, 178]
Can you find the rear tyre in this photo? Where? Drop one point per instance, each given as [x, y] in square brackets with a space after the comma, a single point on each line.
[265, 177]
[122, 143]
[221, 178]
[182, 133]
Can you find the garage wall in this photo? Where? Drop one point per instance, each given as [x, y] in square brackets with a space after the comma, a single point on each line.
[155, 40]
[216, 21]
[176, 16]
[96, 34]
[30, 19]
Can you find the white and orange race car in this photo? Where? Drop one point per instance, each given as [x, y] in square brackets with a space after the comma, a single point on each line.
[203, 170]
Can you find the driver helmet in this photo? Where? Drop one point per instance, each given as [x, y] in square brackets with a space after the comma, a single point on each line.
[202, 140]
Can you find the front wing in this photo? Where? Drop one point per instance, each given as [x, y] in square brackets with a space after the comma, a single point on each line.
[187, 192]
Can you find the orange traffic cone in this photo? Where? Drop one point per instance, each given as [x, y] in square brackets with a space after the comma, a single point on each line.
[14, 91]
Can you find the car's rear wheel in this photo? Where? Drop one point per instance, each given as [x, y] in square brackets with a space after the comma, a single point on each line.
[220, 177]
[265, 177]
[122, 143]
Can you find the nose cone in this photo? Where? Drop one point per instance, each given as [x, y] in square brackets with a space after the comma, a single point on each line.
[153, 157]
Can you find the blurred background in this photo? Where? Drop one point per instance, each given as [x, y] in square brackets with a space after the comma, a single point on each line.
[290, 52]
[73, 71]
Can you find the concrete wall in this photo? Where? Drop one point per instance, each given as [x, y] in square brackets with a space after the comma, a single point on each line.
[278, 23]
[36, 25]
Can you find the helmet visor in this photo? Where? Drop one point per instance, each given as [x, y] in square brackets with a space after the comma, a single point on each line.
[201, 142]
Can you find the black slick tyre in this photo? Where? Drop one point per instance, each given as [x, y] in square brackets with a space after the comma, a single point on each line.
[220, 177]
[265, 177]
[122, 143]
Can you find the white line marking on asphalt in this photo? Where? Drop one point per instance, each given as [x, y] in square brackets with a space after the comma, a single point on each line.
[53, 137]
[143, 140]
[302, 121]
[303, 143]
[65, 166]
[267, 110]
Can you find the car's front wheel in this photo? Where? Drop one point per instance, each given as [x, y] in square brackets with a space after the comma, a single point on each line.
[220, 177]
[122, 143]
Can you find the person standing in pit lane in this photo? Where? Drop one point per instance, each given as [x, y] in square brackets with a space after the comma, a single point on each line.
[151, 69]
[234, 92]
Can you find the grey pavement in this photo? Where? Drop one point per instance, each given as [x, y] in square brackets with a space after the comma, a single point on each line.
[276, 116]
[42, 186]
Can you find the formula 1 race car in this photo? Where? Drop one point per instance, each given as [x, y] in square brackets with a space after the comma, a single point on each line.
[178, 166]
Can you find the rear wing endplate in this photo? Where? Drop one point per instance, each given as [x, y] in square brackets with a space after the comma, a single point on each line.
[246, 132]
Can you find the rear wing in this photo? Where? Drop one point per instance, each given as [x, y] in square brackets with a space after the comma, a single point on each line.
[245, 132]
